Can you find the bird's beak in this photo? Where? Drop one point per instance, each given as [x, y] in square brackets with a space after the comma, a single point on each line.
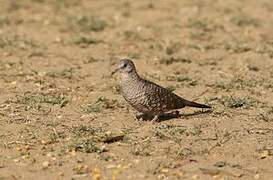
[113, 72]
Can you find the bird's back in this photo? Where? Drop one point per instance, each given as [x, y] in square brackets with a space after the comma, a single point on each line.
[148, 97]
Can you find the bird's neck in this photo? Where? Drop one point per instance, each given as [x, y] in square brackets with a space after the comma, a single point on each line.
[129, 84]
[129, 77]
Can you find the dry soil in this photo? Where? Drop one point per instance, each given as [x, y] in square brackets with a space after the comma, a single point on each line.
[61, 113]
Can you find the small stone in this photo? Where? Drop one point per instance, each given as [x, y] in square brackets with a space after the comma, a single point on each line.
[44, 142]
[136, 161]
[257, 176]
[195, 176]
[46, 22]
[108, 133]
[111, 166]
[165, 170]
[13, 83]
[179, 174]
[81, 168]
[46, 164]
[161, 176]
[96, 174]
[58, 39]
[49, 154]
[264, 154]
[7, 54]
[73, 153]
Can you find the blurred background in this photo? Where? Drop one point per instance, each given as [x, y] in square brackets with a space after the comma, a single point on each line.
[62, 114]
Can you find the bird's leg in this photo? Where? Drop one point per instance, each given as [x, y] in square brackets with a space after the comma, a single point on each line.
[139, 116]
[142, 117]
[175, 113]
[156, 117]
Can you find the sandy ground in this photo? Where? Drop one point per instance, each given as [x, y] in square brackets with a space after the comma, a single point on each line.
[61, 113]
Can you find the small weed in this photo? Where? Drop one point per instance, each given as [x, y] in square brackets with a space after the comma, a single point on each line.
[266, 115]
[244, 20]
[100, 104]
[52, 123]
[97, 134]
[4, 21]
[198, 24]
[84, 41]
[163, 166]
[193, 83]
[14, 6]
[166, 131]
[37, 54]
[91, 23]
[170, 60]
[236, 102]
[61, 4]
[208, 63]
[238, 83]
[126, 13]
[7, 65]
[143, 149]
[199, 35]
[178, 78]
[63, 74]
[132, 35]
[237, 47]
[38, 1]
[53, 137]
[184, 80]
[17, 42]
[156, 46]
[112, 138]
[92, 108]
[266, 49]
[175, 132]
[173, 48]
[202, 26]
[85, 131]
[35, 100]
[211, 101]
[90, 60]
[81, 169]
[105, 157]
[86, 146]
[183, 153]
[253, 68]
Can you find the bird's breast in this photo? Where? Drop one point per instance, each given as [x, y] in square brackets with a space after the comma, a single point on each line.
[134, 93]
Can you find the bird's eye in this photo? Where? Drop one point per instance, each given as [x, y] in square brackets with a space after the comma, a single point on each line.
[125, 65]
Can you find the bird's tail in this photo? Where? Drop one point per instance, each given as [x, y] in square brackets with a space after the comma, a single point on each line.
[194, 104]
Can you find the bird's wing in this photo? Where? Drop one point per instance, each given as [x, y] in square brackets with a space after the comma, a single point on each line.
[161, 97]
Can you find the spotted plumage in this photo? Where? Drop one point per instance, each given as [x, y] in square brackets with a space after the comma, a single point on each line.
[146, 96]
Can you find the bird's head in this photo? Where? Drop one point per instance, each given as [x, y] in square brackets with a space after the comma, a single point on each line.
[125, 66]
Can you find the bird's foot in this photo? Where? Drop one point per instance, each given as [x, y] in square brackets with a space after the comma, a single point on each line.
[172, 114]
[175, 113]
[142, 117]
[139, 117]
[155, 119]
[147, 118]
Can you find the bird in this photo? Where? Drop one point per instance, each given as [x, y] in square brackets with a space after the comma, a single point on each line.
[148, 97]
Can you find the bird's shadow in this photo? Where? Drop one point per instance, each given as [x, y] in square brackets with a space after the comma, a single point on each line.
[171, 115]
